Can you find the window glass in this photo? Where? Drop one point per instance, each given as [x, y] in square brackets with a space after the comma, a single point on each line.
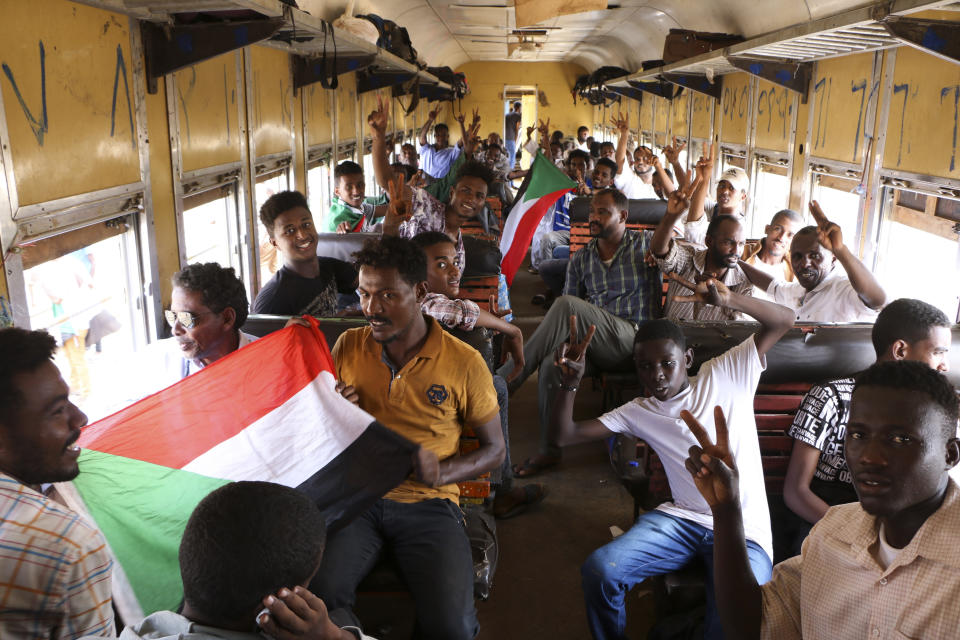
[210, 229]
[771, 195]
[840, 201]
[83, 298]
[918, 255]
[318, 190]
[270, 259]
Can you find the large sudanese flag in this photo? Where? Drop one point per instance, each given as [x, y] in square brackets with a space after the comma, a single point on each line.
[542, 187]
[268, 412]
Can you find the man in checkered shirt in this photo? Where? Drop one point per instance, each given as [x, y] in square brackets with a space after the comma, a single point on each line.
[54, 567]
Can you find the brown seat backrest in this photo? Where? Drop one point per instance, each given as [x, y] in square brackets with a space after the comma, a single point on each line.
[774, 406]
[479, 289]
[580, 233]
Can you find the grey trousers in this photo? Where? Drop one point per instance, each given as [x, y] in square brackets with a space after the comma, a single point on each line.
[610, 350]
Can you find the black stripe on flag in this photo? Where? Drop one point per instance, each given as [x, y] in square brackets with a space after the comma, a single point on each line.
[376, 462]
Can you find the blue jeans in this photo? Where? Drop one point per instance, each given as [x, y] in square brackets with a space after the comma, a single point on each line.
[511, 146]
[658, 543]
[429, 542]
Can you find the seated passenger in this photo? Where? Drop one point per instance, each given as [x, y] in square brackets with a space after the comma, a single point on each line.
[671, 536]
[554, 228]
[306, 284]
[416, 210]
[349, 209]
[821, 293]
[607, 150]
[207, 309]
[637, 182]
[227, 595]
[772, 253]
[731, 197]
[56, 569]
[583, 139]
[724, 242]
[426, 385]
[443, 304]
[884, 568]
[553, 270]
[608, 285]
[436, 158]
[818, 477]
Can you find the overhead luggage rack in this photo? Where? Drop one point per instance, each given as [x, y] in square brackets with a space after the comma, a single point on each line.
[224, 25]
[878, 26]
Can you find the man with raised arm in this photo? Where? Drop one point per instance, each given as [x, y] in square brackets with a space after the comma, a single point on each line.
[428, 386]
[637, 182]
[610, 285]
[719, 259]
[416, 210]
[731, 197]
[436, 158]
[885, 567]
[672, 535]
[511, 131]
[817, 476]
[821, 293]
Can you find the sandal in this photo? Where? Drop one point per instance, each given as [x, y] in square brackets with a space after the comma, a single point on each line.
[518, 500]
[533, 466]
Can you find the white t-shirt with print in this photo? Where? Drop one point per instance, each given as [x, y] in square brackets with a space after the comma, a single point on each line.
[728, 381]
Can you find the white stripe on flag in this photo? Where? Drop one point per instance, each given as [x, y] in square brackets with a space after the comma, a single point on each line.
[290, 443]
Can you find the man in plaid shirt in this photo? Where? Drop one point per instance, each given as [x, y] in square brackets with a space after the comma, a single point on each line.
[55, 569]
[608, 285]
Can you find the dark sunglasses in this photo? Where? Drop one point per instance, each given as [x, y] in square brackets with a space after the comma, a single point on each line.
[187, 319]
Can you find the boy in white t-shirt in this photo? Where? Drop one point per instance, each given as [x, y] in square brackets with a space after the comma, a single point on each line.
[669, 537]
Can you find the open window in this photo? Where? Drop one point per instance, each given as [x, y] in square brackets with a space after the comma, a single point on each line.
[272, 178]
[918, 251]
[840, 197]
[771, 192]
[212, 229]
[84, 287]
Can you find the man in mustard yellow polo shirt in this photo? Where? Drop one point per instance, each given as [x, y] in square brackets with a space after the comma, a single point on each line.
[426, 385]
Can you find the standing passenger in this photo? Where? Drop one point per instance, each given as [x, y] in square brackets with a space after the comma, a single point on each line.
[436, 157]
[511, 130]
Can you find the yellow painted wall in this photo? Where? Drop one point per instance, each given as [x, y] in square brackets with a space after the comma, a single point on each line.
[700, 121]
[839, 99]
[272, 124]
[662, 108]
[319, 114]
[646, 112]
[554, 79]
[207, 95]
[347, 107]
[774, 109]
[735, 108]
[922, 127]
[679, 108]
[83, 137]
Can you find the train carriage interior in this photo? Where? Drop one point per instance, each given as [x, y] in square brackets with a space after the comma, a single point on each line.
[138, 137]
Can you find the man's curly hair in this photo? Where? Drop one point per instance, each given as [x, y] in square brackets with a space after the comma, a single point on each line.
[391, 252]
[23, 351]
[917, 377]
[218, 286]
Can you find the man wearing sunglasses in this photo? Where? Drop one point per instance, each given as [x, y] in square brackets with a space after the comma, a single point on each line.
[207, 309]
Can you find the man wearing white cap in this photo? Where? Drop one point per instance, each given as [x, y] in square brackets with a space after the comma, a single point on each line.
[731, 195]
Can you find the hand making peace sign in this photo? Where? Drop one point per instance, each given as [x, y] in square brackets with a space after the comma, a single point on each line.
[829, 234]
[711, 465]
[571, 356]
[399, 209]
[378, 118]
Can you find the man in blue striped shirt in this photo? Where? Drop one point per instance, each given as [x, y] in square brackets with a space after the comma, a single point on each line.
[610, 286]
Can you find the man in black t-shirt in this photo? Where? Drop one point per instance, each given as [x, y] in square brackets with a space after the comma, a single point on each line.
[817, 476]
[305, 284]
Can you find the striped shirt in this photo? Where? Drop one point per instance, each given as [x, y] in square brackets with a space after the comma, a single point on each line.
[54, 569]
[836, 588]
[628, 288]
[451, 313]
[689, 263]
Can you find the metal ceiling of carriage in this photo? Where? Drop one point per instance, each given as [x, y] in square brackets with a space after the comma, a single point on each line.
[867, 28]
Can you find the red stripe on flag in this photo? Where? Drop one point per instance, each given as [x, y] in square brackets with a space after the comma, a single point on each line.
[174, 426]
[523, 234]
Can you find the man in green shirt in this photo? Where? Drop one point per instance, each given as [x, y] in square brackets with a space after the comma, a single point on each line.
[350, 211]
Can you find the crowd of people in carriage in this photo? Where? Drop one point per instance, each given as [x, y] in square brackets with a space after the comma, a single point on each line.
[868, 477]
